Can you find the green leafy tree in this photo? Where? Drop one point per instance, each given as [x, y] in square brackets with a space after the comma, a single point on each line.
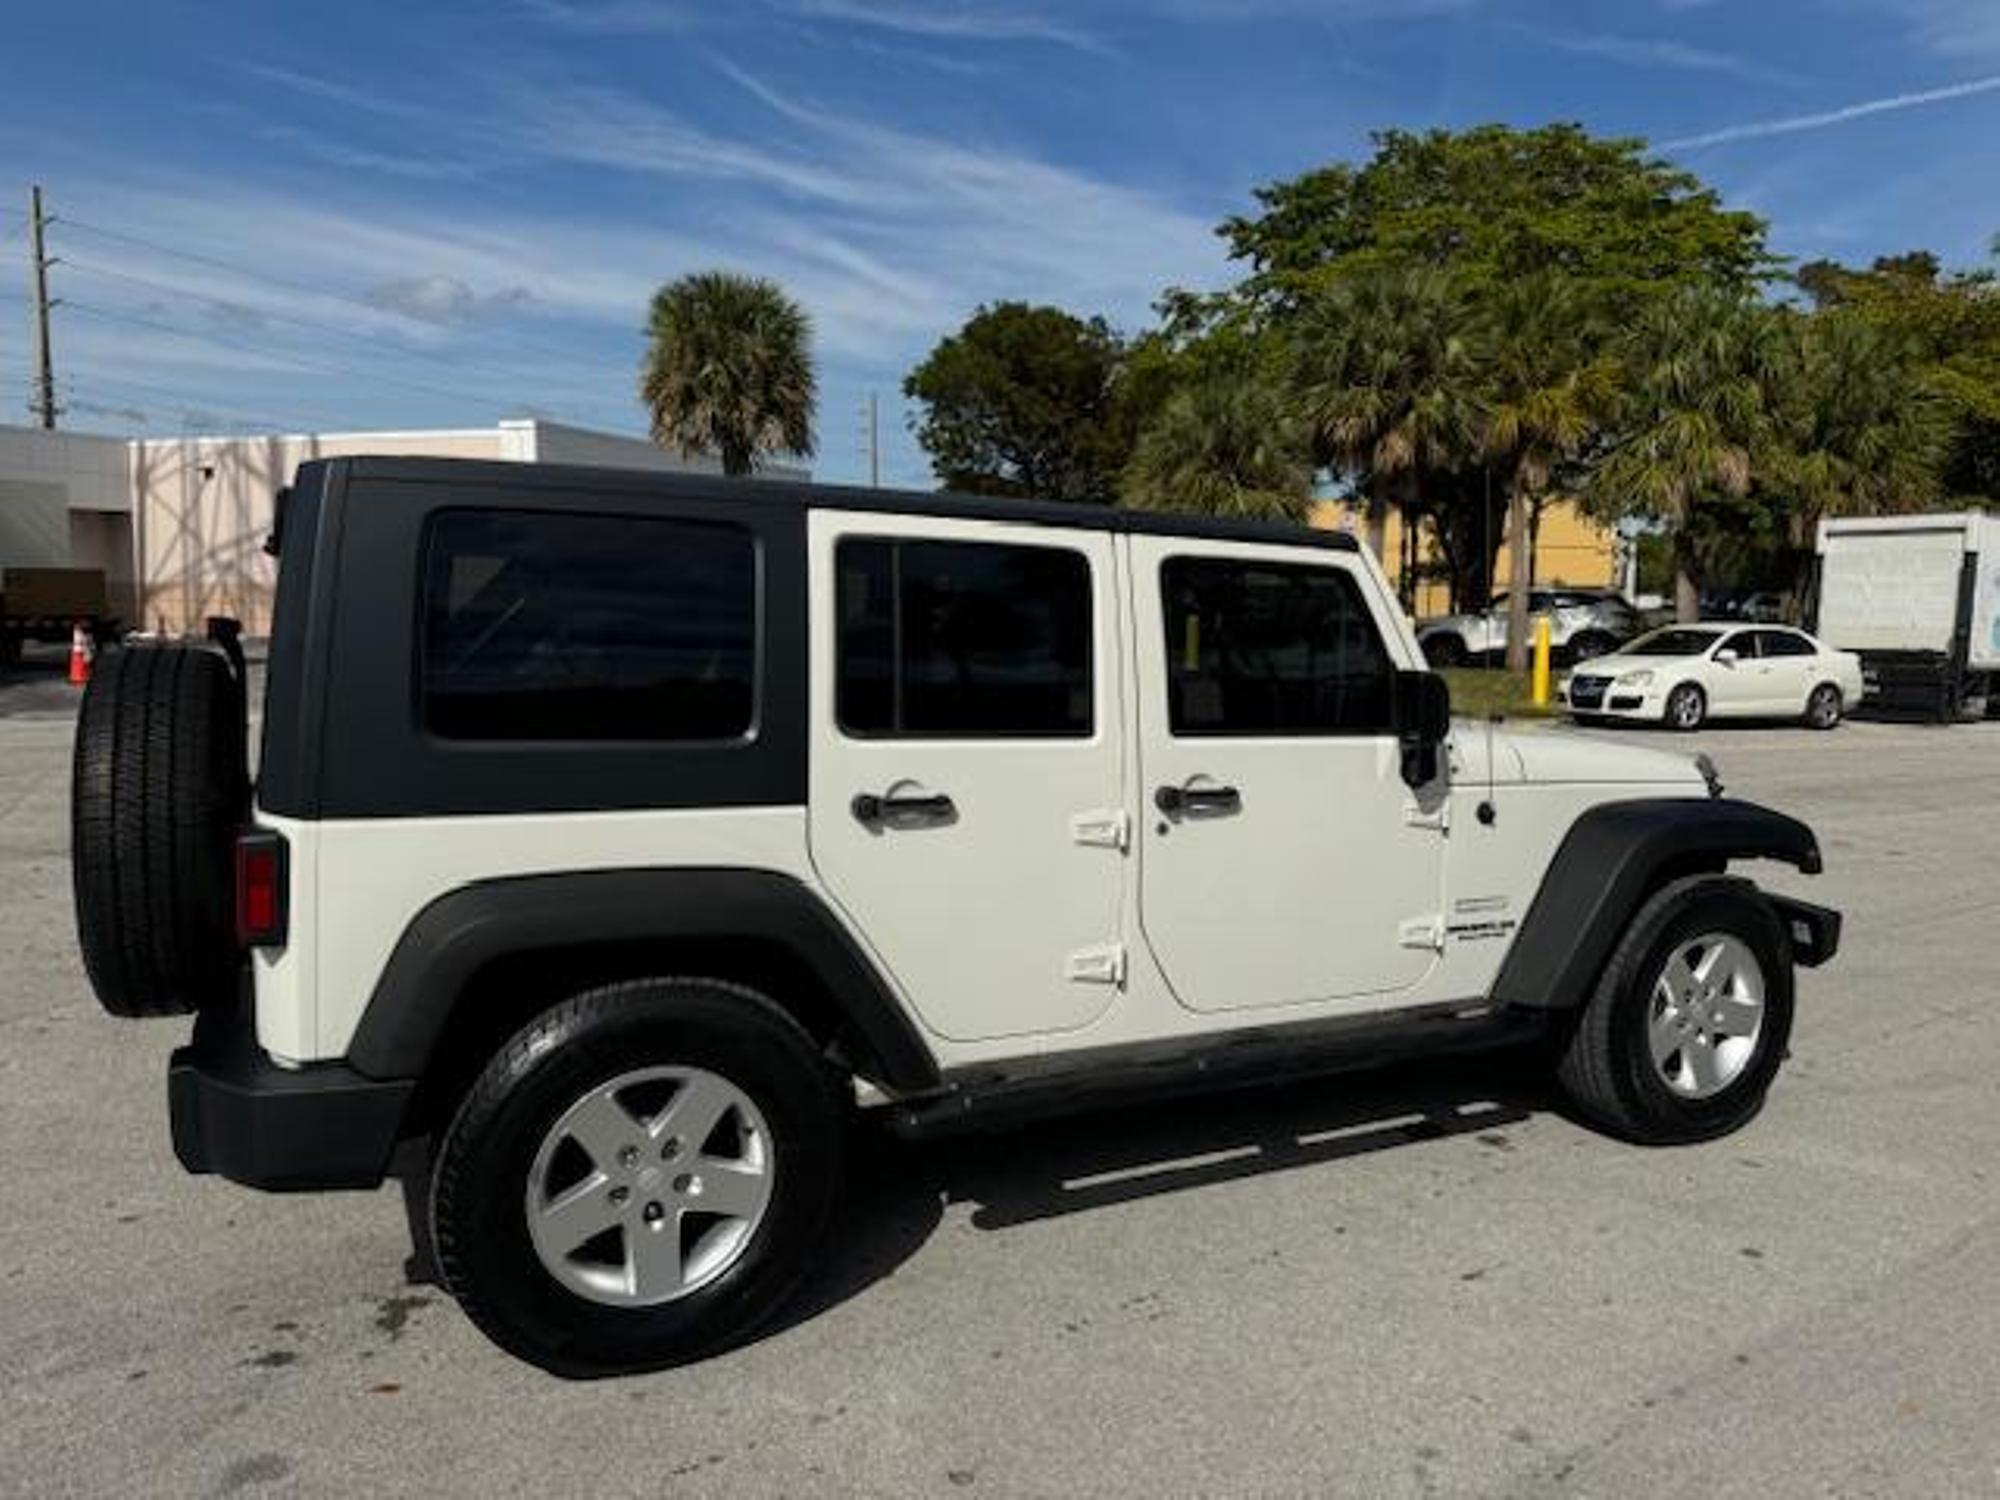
[1025, 400]
[1494, 204]
[1387, 384]
[1949, 324]
[1692, 413]
[1227, 445]
[1549, 389]
[729, 369]
[1855, 428]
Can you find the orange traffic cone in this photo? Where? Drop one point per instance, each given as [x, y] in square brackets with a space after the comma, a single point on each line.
[79, 655]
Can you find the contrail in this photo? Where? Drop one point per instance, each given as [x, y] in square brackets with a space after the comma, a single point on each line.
[1840, 116]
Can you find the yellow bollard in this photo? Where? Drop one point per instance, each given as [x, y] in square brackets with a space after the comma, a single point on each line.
[1541, 661]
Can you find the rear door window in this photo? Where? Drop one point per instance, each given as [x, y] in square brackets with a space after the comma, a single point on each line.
[967, 640]
[539, 626]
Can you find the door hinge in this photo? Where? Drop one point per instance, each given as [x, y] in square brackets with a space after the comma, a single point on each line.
[1100, 965]
[1422, 932]
[1102, 828]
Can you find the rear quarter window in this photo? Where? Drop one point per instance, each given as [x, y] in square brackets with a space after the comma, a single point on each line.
[544, 626]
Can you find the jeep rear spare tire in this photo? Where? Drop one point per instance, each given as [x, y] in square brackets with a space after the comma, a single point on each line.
[160, 788]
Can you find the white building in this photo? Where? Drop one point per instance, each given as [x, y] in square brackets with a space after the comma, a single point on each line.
[178, 524]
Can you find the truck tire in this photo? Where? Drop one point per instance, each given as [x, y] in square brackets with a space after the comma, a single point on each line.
[1444, 650]
[160, 786]
[655, 1108]
[1689, 1022]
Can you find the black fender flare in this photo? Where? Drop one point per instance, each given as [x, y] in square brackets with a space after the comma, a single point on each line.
[467, 929]
[1613, 856]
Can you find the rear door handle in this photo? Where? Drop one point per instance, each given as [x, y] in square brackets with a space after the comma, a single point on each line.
[930, 807]
[1197, 801]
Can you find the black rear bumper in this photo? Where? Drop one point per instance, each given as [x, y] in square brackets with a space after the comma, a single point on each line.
[239, 1115]
[1814, 930]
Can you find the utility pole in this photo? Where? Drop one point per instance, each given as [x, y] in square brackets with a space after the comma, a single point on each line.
[874, 447]
[43, 402]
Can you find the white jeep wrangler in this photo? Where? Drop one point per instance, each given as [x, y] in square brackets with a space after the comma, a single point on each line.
[616, 835]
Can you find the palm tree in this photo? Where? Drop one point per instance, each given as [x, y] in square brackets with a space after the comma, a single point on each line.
[1549, 386]
[1855, 429]
[1385, 381]
[729, 369]
[1224, 446]
[1698, 366]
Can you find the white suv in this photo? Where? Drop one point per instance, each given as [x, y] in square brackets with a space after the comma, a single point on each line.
[618, 835]
[1582, 623]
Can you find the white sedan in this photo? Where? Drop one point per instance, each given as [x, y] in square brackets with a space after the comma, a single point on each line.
[1683, 675]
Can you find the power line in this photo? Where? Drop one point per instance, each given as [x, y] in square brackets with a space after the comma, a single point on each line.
[297, 361]
[303, 288]
[402, 351]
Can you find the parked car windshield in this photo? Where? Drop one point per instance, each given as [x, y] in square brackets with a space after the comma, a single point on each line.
[1672, 641]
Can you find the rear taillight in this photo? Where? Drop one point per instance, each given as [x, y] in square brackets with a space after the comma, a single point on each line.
[260, 888]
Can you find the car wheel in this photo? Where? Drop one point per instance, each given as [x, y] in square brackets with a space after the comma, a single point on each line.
[639, 1178]
[1687, 706]
[1688, 1025]
[1444, 651]
[1823, 707]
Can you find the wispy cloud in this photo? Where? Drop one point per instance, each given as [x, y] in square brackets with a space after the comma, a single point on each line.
[1795, 124]
[1656, 52]
[947, 21]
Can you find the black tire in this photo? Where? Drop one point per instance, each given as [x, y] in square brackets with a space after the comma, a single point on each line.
[1444, 650]
[1686, 719]
[1607, 1069]
[478, 1196]
[160, 788]
[1824, 708]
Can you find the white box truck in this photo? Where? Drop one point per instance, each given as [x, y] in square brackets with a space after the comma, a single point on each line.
[1918, 599]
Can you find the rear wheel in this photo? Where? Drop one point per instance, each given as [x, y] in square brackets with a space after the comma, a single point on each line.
[1444, 650]
[1823, 707]
[1689, 1023]
[1588, 644]
[641, 1177]
[1687, 707]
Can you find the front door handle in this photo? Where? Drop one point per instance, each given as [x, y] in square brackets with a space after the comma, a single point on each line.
[1197, 801]
[927, 807]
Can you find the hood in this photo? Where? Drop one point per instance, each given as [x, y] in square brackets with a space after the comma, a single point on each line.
[1555, 757]
[1617, 662]
[1550, 756]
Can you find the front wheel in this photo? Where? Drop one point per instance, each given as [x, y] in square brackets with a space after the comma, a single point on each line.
[1823, 707]
[1689, 1023]
[639, 1178]
[1687, 706]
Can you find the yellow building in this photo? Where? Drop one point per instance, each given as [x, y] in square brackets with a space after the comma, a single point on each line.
[1570, 549]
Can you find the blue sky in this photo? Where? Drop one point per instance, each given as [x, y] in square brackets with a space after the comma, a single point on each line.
[442, 212]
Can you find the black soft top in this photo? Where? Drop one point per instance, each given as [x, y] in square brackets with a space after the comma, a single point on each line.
[519, 477]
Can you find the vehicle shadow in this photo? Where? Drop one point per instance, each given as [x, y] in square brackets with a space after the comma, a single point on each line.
[899, 1190]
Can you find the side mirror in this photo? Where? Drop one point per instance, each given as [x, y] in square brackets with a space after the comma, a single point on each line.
[1423, 719]
[1726, 656]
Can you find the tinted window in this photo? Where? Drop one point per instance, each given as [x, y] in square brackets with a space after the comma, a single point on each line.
[1743, 643]
[962, 639]
[548, 627]
[1783, 643]
[1270, 649]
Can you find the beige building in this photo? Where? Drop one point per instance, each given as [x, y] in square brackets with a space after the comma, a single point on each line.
[178, 524]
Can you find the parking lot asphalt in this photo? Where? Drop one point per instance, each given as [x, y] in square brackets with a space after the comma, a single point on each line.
[1428, 1282]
